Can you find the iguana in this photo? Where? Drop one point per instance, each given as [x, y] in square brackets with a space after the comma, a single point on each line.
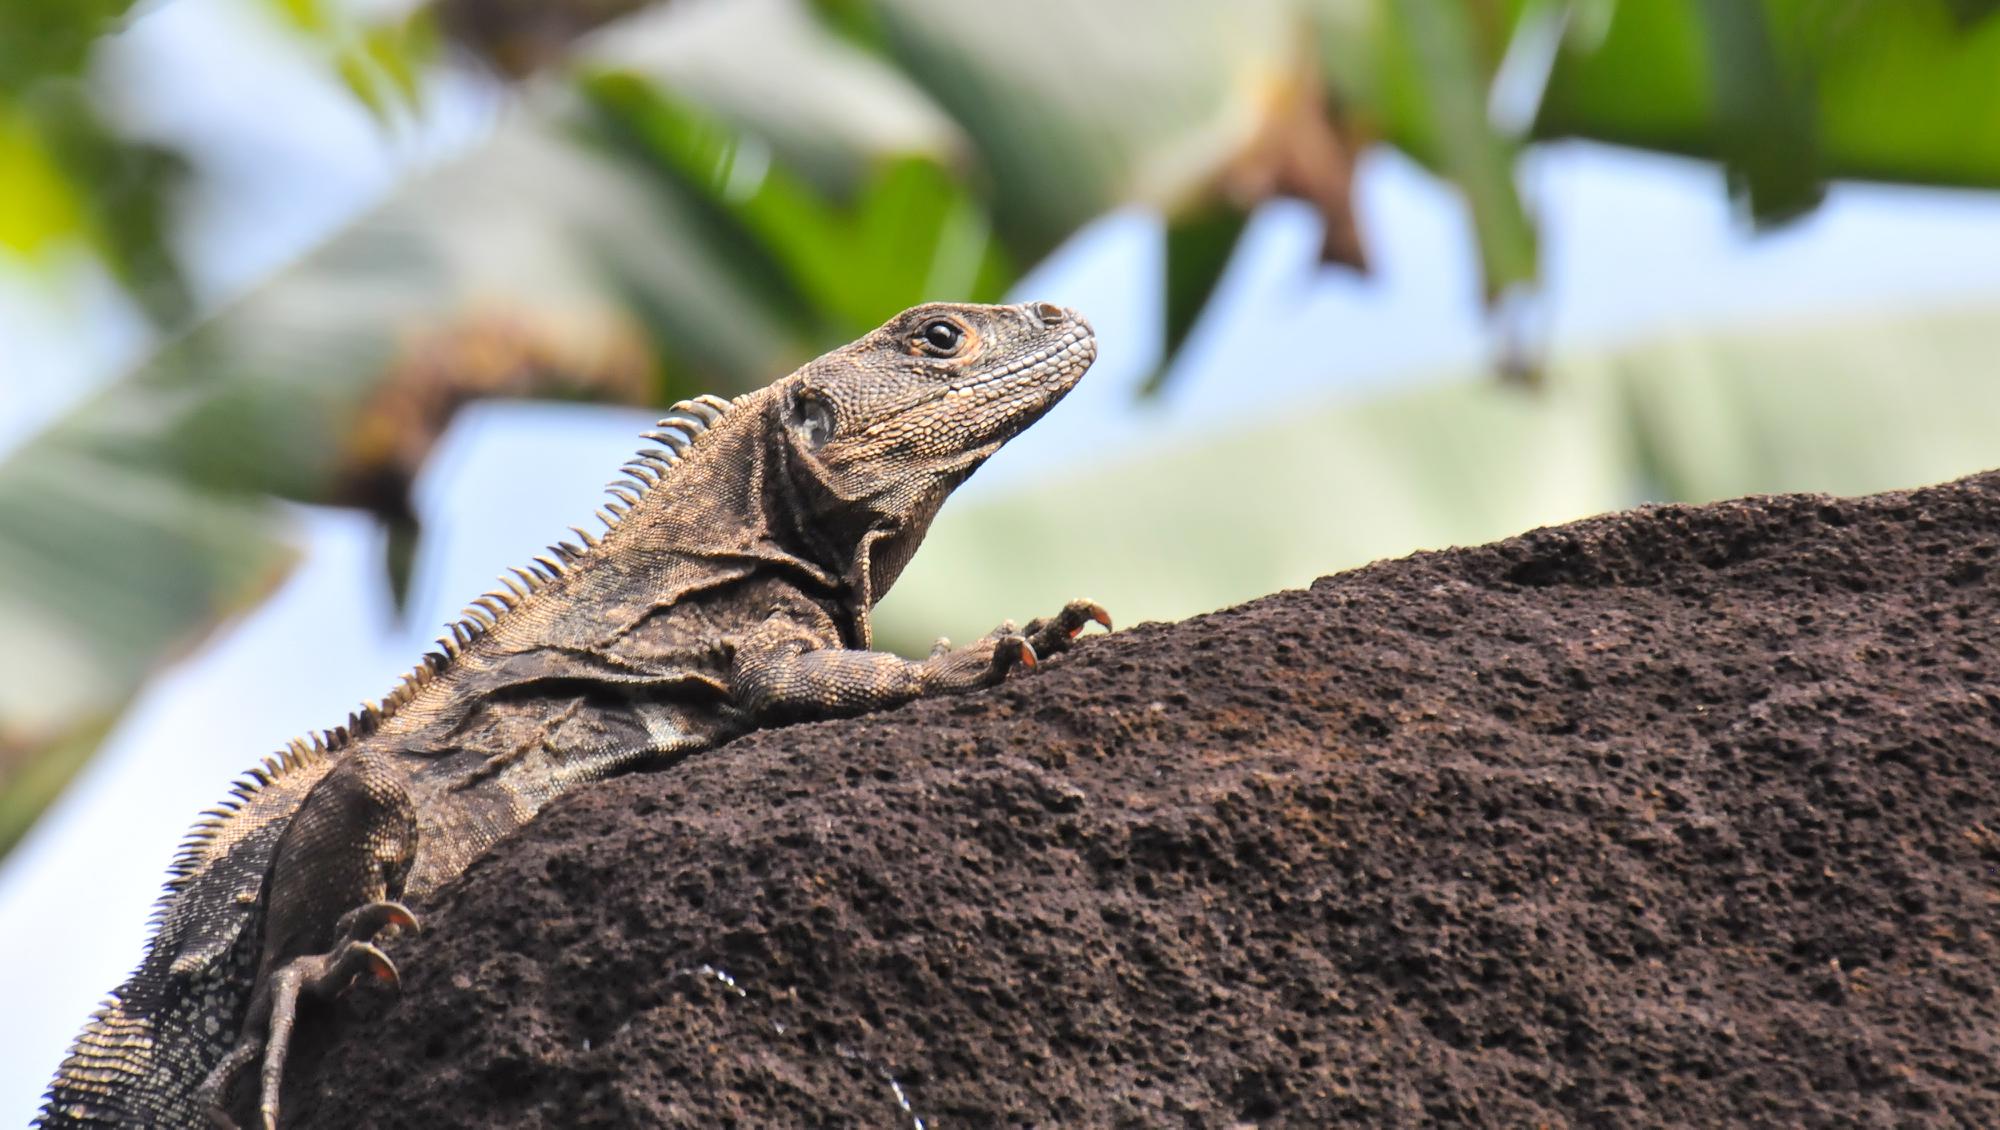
[730, 590]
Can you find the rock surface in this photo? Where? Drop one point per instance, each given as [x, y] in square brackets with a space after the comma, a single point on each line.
[1684, 816]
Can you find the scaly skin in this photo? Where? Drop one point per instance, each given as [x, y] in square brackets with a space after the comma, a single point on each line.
[732, 590]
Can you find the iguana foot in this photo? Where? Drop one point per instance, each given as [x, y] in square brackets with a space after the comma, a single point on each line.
[1025, 648]
[322, 975]
[986, 663]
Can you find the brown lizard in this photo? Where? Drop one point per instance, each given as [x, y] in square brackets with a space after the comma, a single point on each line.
[731, 590]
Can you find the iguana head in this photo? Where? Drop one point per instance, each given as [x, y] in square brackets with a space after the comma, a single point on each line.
[878, 432]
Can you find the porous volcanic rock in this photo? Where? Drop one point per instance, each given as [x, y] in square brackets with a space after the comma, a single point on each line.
[1683, 816]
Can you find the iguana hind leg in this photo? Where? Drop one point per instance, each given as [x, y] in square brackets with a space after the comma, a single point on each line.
[342, 860]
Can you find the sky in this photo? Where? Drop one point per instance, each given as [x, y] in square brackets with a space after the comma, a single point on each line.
[1635, 246]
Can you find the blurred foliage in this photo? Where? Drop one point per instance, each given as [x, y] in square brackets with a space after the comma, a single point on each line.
[70, 178]
[40, 38]
[701, 195]
[381, 62]
[1792, 92]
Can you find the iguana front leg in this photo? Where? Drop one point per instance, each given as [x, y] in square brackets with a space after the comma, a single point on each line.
[782, 672]
[342, 860]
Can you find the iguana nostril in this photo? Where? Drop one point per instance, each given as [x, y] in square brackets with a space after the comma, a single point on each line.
[1050, 313]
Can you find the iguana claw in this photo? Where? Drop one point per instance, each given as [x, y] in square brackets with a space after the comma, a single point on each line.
[1054, 634]
[365, 958]
[371, 918]
[1011, 651]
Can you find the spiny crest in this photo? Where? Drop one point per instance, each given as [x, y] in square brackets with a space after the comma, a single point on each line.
[299, 754]
[683, 424]
[649, 467]
[645, 471]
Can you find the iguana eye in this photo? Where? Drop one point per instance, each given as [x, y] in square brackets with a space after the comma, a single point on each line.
[942, 336]
[813, 419]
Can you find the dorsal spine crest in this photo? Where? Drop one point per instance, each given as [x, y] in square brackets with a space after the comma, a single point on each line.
[676, 432]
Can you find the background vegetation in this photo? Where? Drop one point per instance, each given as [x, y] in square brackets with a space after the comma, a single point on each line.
[697, 196]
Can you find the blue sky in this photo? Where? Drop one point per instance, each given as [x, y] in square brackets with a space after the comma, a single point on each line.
[1635, 246]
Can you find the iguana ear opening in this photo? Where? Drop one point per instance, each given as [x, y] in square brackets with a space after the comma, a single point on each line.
[811, 419]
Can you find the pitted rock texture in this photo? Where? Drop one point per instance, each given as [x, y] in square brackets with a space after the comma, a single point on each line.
[1683, 816]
